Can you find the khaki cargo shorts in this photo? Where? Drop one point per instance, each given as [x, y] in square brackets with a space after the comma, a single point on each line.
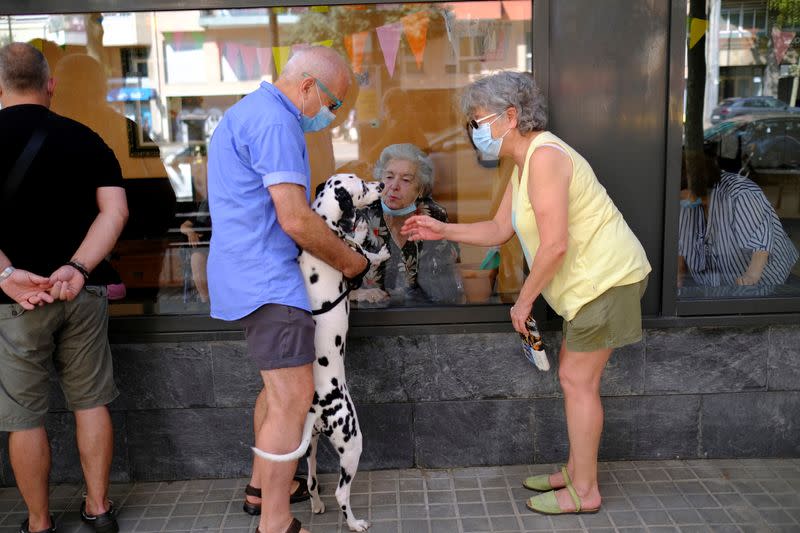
[612, 320]
[70, 338]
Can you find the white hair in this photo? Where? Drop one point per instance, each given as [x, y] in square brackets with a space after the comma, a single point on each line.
[412, 153]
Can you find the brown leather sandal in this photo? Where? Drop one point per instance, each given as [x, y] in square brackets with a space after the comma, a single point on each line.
[294, 527]
[300, 494]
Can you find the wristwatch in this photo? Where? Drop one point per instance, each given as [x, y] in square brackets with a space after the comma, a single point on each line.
[6, 273]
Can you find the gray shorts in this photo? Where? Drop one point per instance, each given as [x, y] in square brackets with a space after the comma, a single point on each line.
[70, 338]
[279, 336]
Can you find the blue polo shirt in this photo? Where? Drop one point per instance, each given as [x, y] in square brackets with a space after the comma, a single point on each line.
[252, 261]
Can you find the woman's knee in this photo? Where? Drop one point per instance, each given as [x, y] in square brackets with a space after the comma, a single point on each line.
[574, 378]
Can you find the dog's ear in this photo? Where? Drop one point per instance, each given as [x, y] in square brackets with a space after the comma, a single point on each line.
[319, 188]
[347, 221]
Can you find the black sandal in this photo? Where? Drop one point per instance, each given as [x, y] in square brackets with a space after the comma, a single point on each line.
[23, 528]
[294, 527]
[102, 523]
[300, 494]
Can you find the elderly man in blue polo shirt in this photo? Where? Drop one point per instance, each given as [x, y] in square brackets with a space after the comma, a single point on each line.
[259, 193]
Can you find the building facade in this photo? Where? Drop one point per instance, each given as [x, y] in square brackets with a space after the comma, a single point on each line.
[634, 87]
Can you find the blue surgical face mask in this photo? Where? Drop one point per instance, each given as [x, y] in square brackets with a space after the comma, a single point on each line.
[482, 137]
[691, 203]
[398, 212]
[318, 122]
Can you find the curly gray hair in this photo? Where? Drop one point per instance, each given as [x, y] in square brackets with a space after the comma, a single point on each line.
[408, 152]
[498, 92]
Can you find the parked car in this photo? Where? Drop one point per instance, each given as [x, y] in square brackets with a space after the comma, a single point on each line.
[751, 105]
[757, 142]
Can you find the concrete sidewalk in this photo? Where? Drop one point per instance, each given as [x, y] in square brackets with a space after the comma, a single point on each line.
[753, 495]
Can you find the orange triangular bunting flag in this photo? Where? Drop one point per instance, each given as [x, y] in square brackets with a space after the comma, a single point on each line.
[415, 27]
[355, 44]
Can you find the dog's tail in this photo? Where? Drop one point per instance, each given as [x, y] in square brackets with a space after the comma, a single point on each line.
[298, 453]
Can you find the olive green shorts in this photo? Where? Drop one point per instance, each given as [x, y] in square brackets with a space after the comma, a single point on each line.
[611, 320]
[69, 338]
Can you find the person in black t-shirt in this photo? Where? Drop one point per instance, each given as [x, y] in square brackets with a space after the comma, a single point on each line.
[59, 221]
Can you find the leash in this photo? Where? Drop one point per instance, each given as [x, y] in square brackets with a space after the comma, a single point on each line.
[352, 284]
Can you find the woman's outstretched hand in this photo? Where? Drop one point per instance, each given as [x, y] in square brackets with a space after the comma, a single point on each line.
[423, 228]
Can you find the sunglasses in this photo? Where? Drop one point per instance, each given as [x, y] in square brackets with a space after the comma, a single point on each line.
[336, 102]
[476, 123]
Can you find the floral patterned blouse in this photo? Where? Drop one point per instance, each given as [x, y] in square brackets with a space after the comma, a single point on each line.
[420, 271]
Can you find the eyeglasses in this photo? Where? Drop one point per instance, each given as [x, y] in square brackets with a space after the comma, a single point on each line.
[336, 102]
[475, 124]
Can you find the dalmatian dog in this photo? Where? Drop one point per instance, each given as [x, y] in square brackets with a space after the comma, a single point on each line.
[332, 412]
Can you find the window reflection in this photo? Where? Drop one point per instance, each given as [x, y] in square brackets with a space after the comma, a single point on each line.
[154, 85]
[739, 219]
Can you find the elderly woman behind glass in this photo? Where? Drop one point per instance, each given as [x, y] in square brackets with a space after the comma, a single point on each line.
[416, 272]
[583, 259]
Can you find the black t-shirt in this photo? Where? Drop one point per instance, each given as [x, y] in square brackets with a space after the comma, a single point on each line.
[47, 219]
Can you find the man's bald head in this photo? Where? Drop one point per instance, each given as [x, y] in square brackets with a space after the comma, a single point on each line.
[23, 69]
[321, 62]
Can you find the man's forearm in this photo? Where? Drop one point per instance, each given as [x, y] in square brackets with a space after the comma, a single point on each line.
[100, 239]
[314, 236]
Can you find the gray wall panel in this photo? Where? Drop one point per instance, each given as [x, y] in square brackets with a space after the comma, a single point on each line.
[608, 75]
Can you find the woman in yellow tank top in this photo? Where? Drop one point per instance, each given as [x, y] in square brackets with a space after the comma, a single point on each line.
[583, 259]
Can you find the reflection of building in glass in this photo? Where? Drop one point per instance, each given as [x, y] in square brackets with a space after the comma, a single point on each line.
[757, 48]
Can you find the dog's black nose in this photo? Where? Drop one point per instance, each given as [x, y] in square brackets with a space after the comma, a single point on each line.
[380, 186]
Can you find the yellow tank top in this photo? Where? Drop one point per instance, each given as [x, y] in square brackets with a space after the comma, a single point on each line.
[602, 251]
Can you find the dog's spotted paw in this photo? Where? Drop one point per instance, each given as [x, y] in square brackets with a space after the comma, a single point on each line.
[317, 505]
[357, 525]
[376, 258]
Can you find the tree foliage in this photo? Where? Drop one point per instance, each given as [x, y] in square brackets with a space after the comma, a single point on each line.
[784, 13]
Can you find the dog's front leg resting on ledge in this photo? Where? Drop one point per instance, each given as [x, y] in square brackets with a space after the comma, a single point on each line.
[311, 418]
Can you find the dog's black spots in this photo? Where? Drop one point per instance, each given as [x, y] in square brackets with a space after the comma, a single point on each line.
[323, 361]
[341, 422]
[314, 278]
[313, 481]
[341, 286]
[344, 507]
[324, 217]
[332, 396]
[340, 449]
[347, 221]
[335, 382]
[316, 399]
[337, 182]
[334, 425]
[338, 340]
[325, 307]
[344, 478]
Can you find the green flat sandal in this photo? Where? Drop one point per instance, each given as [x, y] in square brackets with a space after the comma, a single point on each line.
[547, 503]
[542, 481]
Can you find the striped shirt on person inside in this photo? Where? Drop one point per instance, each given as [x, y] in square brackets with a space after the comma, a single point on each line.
[740, 221]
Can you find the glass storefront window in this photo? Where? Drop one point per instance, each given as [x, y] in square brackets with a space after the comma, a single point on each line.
[154, 85]
[739, 213]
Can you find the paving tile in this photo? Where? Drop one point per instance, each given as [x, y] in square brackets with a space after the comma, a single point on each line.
[655, 518]
[443, 526]
[473, 525]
